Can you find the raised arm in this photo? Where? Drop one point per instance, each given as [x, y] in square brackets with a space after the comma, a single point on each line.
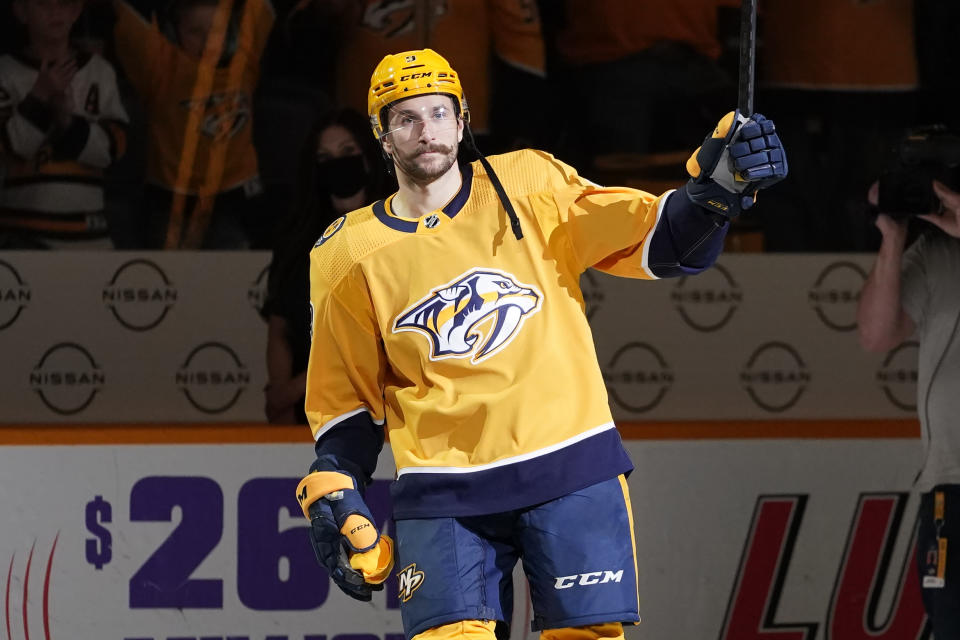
[882, 322]
[631, 233]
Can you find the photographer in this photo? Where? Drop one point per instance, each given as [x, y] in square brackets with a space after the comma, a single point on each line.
[916, 291]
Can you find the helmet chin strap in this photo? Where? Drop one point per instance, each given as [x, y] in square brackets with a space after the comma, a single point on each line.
[497, 186]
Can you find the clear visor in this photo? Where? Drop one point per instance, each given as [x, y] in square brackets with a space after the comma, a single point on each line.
[409, 120]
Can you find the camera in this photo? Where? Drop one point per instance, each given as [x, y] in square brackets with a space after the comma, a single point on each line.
[922, 156]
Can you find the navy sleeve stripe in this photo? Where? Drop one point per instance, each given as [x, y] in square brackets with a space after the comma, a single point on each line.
[354, 443]
[687, 238]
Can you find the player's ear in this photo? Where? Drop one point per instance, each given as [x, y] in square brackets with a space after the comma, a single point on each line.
[386, 145]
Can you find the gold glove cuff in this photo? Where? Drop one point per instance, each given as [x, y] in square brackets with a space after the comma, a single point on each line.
[318, 484]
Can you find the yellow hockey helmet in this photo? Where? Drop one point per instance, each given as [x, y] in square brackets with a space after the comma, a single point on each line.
[409, 74]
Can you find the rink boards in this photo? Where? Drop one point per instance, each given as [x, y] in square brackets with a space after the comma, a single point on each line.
[180, 533]
[772, 492]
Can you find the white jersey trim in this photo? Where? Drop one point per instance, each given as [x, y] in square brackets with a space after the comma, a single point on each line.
[645, 260]
[330, 424]
[514, 459]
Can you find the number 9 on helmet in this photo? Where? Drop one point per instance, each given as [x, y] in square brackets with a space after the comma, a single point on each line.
[408, 74]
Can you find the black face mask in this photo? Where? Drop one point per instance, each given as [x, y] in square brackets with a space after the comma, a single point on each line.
[341, 177]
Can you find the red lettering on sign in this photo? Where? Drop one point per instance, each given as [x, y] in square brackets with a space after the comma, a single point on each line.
[763, 567]
[863, 569]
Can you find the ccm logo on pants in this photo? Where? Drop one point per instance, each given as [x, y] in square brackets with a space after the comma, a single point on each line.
[586, 579]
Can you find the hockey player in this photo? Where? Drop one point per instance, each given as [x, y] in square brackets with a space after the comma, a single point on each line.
[450, 315]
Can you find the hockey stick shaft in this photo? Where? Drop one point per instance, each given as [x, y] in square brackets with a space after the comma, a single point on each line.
[748, 56]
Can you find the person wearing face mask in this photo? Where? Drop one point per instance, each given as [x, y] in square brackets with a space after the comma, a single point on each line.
[340, 170]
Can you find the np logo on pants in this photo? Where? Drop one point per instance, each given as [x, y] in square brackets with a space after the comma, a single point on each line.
[410, 580]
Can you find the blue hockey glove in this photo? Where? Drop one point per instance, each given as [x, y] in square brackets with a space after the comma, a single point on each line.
[741, 156]
[343, 534]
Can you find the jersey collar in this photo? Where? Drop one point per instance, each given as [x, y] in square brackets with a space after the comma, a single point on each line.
[451, 209]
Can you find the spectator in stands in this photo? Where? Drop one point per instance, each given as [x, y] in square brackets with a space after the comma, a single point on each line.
[913, 292]
[195, 66]
[496, 46]
[843, 101]
[656, 61]
[340, 170]
[61, 124]
[293, 89]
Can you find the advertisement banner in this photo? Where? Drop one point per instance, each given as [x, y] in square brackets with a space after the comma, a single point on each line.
[142, 337]
[737, 539]
[177, 337]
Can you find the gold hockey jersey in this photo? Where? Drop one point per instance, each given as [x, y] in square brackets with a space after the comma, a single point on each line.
[614, 29]
[839, 46]
[470, 346]
[200, 133]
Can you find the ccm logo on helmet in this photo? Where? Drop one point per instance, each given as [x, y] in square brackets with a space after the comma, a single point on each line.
[587, 579]
[414, 76]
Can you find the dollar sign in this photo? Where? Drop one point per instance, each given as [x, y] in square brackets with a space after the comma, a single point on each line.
[99, 550]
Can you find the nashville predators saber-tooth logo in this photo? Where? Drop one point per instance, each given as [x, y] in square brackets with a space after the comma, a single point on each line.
[394, 18]
[224, 114]
[453, 315]
[410, 580]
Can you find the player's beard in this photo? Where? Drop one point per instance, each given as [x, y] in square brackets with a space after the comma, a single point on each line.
[425, 172]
